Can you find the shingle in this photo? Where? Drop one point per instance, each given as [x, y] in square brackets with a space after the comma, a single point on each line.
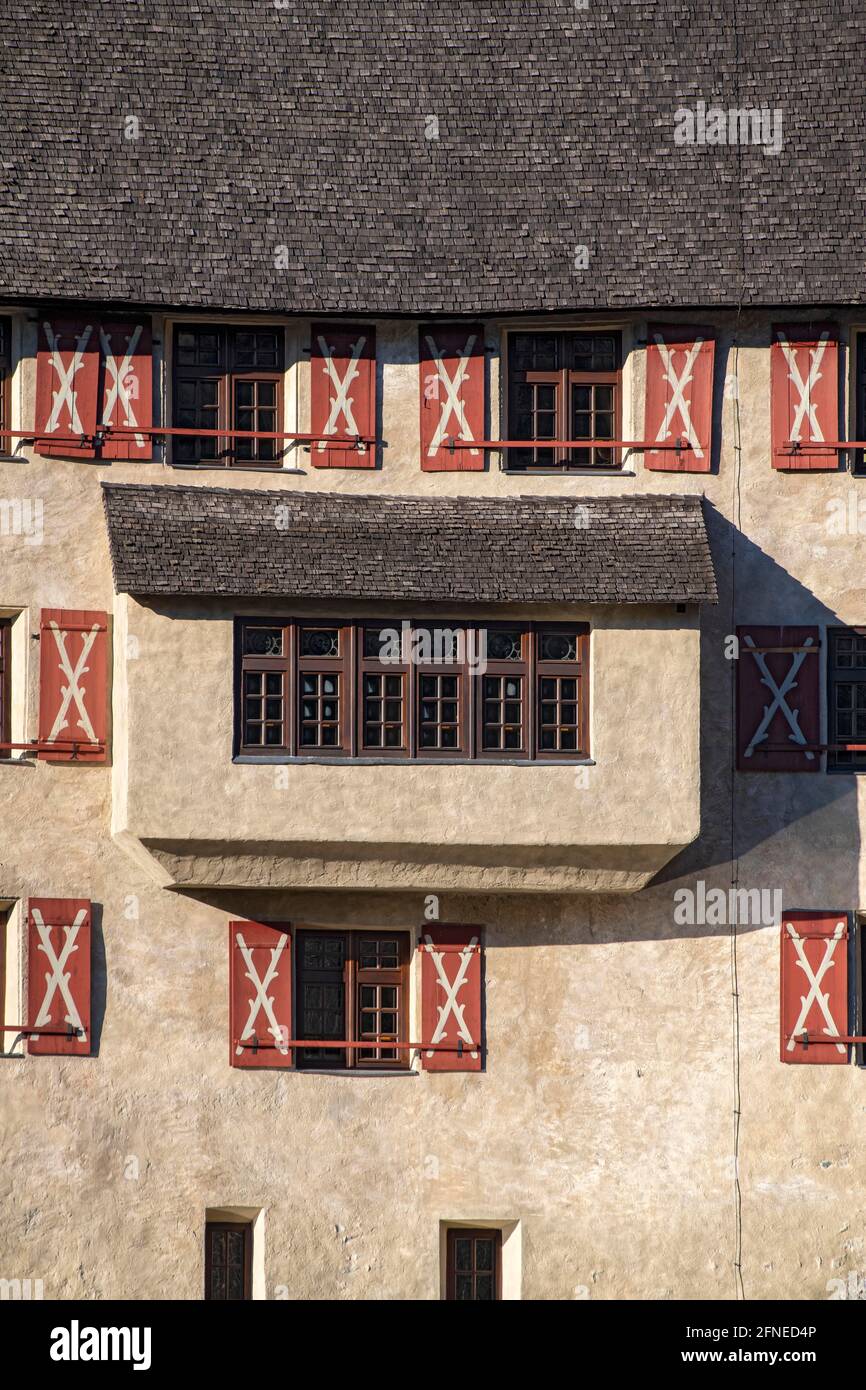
[282, 160]
[240, 542]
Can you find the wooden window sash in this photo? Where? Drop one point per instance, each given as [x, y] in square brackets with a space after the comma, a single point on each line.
[465, 696]
[563, 378]
[245, 1228]
[6, 381]
[843, 675]
[5, 687]
[455, 1233]
[341, 666]
[253, 663]
[352, 979]
[227, 375]
[521, 668]
[374, 666]
[576, 670]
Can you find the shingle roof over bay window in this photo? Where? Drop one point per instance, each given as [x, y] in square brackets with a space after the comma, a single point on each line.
[230, 541]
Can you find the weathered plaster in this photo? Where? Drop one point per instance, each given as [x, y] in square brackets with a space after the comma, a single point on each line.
[603, 1122]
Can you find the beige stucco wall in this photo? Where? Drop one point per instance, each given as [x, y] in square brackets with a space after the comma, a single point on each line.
[611, 824]
[603, 1124]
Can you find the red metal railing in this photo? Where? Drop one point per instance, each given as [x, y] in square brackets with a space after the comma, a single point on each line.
[152, 431]
[832, 446]
[641, 445]
[76, 747]
[805, 1040]
[293, 1044]
[24, 1031]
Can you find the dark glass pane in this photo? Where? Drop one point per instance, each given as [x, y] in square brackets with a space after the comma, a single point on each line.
[218, 1282]
[558, 646]
[548, 714]
[512, 712]
[320, 642]
[235, 1247]
[490, 736]
[463, 1254]
[252, 733]
[604, 398]
[389, 997]
[329, 685]
[394, 685]
[218, 1247]
[581, 397]
[484, 1255]
[329, 736]
[253, 683]
[512, 738]
[428, 737]
[373, 735]
[393, 710]
[274, 683]
[449, 737]
[492, 687]
[274, 735]
[548, 739]
[545, 396]
[504, 646]
[308, 736]
[394, 737]
[568, 689]
[368, 996]
[244, 396]
[568, 740]
[449, 686]
[273, 709]
[484, 1288]
[448, 711]
[267, 391]
[428, 686]
[428, 712]
[372, 685]
[491, 711]
[388, 1023]
[263, 641]
[464, 1288]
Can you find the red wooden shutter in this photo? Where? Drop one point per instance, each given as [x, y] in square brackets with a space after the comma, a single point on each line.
[260, 995]
[343, 394]
[814, 986]
[451, 358]
[679, 397]
[804, 392]
[451, 997]
[58, 975]
[67, 386]
[127, 387]
[73, 684]
[778, 699]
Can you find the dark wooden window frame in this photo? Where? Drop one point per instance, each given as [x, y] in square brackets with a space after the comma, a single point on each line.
[246, 1229]
[455, 1233]
[858, 388]
[356, 976]
[842, 675]
[353, 663]
[6, 445]
[227, 374]
[5, 685]
[562, 378]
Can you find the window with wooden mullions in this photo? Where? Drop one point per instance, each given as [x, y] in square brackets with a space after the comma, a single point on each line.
[352, 987]
[6, 445]
[228, 1261]
[5, 687]
[564, 386]
[474, 1266]
[367, 690]
[227, 378]
[846, 696]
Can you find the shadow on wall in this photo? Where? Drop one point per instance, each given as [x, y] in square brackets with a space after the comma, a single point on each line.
[795, 832]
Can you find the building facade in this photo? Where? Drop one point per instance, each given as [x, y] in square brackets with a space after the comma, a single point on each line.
[432, 720]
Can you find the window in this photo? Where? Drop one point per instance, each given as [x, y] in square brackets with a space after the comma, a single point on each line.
[564, 386]
[5, 382]
[325, 689]
[474, 1266]
[846, 695]
[859, 455]
[227, 378]
[228, 1261]
[5, 687]
[352, 987]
